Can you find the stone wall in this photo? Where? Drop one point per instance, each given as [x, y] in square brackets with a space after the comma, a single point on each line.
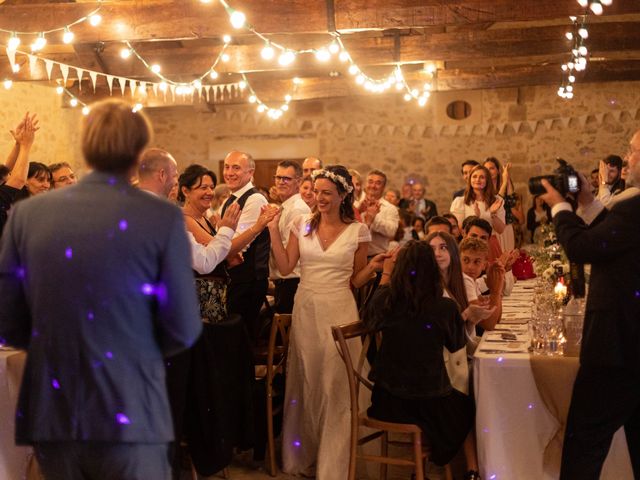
[529, 127]
[57, 139]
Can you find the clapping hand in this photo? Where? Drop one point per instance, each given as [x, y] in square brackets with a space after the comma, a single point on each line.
[495, 277]
[269, 215]
[231, 217]
[507, 258]
[24, 133]
[495, 206]
[477, 312]
[506, 172]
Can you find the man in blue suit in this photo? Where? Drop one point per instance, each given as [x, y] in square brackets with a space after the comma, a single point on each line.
[96, 284]
[606, 394]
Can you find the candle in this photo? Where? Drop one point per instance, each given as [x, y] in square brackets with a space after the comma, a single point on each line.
[560, 291]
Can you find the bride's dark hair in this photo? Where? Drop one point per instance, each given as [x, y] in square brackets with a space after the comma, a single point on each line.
[347, 214]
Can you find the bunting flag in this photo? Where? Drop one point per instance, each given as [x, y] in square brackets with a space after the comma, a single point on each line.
[123, 84]
[65, 72]
[12, 57]
[110, 83]
[48, 65]
[599, 118]
[79, 71]
[548, 123]
[33, 60]
[533, 125]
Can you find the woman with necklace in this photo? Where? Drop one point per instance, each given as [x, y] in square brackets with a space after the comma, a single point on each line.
[332, 249]
[480, 200]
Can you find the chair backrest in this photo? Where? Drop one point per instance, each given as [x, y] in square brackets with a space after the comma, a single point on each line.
[278, 343]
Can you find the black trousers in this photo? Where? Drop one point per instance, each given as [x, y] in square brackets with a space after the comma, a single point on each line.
[246, 300]
[604, 399]
[284, 293]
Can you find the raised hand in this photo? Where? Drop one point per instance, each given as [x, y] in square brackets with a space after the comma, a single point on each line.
[24, 133]
[495, 206]
[495, 277]
[231, 217]
[269, 215]
[506, 172]
[377, 263]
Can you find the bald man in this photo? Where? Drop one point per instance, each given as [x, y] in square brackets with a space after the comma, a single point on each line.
[157, 172]
[249, 280]
[309, 165]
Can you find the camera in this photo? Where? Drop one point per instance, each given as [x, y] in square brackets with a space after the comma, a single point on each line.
[564, 179]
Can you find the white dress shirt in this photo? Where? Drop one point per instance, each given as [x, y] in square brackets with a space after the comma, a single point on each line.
[251, 210]
[461, 210]
[383, 228]
[205, 258]
[292, 208]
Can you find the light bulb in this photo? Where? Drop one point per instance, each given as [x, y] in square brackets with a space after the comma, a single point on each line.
[569, 88]
[237, 19]
[39, 43]
[95, 20]
[571, 79]
[399, 86]
[414, 93]
[431, 69]
[8, 84]
[606, 3]
[74, 102]
[14, 42]
[286, 58]
[85, 110]
[297, 81]
[583, 3]
[253, 99]
[353, 69]
[214, 74]
[225, 57]
[583, 50]
[344, 56]
[564, 67]
[68, 35]
[407, 97]
[422, 101]
[261, 108]
[268, 52]
[15, 68]
[596, 8]
[137, 107]
[242, 84]
[583, 32]
[569, 95]
[569, 35]
[59, 90]
[323, 55]
[155, 68]
[334, 48]
[226, 39]
[163, 86]
[125, 53]
[284, 108]
[197, 84]
[360, 79]
[287, 98]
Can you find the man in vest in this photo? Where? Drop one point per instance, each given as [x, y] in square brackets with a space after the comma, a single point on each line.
[249, 280]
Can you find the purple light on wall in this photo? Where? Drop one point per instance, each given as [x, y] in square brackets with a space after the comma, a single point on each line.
[123, 225]
[55, 384]
[122, 419]
[147, 289]
[68, 253]
[21, 272]
[109, 355]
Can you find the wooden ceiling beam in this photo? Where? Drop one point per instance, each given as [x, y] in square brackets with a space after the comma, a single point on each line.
[178, 19]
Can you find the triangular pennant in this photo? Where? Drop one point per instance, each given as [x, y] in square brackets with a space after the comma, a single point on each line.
[375, 128]
[12, 57]
[616, 114]
[48, 66]
[437, 129]
[582, 120]
[565, 121]
[94, 78]
[79, 71]
[173, 92]
[420, 130]
[110, 83]
[330, 126]
[467, 129]
[359, 128]
[143, 88]
[154, 87]
[33, 60]
[207, 89]
[633, 112]
[516, 126]
[315, 124]
[484, 128]
[123, 84]
[65, 72]
[132, 86]
[500, 127]
[405, 130]
[599, 118]
[533, 125]
[548, 123]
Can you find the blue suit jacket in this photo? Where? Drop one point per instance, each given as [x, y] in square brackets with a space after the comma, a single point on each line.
[611, 244]
[95, 282]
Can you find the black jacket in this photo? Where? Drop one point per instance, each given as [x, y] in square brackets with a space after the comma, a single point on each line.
[611, 244]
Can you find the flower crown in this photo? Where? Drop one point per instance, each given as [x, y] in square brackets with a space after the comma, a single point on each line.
[323, 173]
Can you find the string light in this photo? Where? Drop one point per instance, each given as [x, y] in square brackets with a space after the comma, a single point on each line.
[579, 52]
[67, 35]
[39, 43]
[8, 84]
[125, 53]
[596, 6]
[273, 113]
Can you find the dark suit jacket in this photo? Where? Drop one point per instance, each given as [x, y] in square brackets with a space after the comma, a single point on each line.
[611, 336]
[96, 284]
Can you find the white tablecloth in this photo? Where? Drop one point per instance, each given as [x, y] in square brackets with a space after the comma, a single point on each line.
[13, 460]
[513, 425]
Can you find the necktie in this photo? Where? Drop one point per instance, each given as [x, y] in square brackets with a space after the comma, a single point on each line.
[230, 200]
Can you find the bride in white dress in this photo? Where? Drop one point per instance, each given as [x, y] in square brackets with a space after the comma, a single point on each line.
[332, 249]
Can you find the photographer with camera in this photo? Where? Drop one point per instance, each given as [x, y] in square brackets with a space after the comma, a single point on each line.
[606, 393]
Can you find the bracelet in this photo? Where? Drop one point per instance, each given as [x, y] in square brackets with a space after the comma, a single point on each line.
[385, 273]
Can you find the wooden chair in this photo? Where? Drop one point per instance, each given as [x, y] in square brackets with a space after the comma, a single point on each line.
[276, 362]
[360, 419]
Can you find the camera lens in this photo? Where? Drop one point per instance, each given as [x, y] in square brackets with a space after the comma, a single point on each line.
[535, 185]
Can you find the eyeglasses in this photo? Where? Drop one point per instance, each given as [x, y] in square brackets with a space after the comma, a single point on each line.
[278, 178]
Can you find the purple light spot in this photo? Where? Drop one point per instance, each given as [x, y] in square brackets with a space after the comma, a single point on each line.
[637, 293]
[500, 359]
[297, 443]
[147, 289]
[68, 253]
[294, 402]
[21, 272]
[90, 316]
[109, 355]
[123, 225]
[428, 326]
[485, 430]
[112, 180]
[530, 406]
[55, 384]
[493, 477]
[412, 273]
[96, 364]
[35, 333]
[161, 293]
[122, 419]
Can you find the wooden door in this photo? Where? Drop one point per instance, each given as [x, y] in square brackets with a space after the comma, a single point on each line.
[265, 170]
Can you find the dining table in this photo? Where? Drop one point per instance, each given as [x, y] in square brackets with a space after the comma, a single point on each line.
[522, 400]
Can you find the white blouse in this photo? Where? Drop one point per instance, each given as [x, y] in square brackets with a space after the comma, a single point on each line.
[205, 258]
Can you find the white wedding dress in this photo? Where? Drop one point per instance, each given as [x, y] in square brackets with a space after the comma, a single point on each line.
[316, 429]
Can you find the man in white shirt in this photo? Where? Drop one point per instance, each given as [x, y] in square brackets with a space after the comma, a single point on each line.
[249, 280]
[378, 214]
[287, 182]
[157, 172]
[309, 165]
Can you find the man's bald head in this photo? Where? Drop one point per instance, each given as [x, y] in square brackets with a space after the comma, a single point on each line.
[157, 171]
